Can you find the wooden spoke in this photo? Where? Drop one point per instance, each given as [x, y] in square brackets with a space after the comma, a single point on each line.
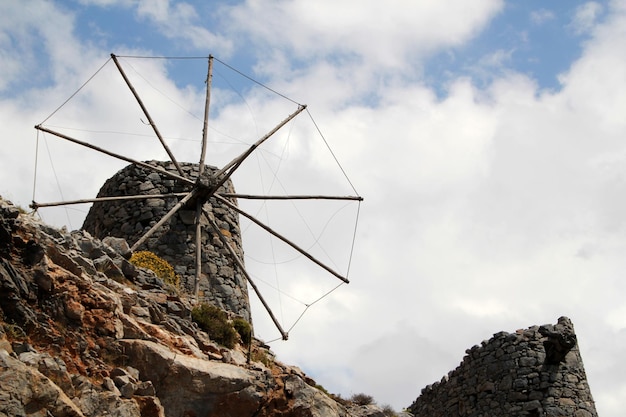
[205, 128]
[225, 173]
[115, 155]
[36, 205]
[145, 111]
[201, 189]
[279, 236]
[196, 284]
[291, 197]
[165, 218]
[239, 262]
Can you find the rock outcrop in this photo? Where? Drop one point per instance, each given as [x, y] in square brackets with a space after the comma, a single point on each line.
[85, 333]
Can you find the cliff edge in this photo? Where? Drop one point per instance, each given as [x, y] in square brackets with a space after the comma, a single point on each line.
[83, 332]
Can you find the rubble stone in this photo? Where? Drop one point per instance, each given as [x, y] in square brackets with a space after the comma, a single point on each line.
[521, 374]
[175, 241]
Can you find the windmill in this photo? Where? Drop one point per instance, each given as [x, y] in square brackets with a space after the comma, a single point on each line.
[199, 189]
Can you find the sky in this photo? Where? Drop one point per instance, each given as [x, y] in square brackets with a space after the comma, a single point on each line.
[486, 138]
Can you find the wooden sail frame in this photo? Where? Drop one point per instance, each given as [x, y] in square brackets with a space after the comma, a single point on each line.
[201, 189]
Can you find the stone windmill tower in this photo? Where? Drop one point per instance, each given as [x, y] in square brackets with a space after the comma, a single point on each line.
[187, 213]
[220, 282]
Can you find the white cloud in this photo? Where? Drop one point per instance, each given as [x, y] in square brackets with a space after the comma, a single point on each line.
[181, 21]
[485, 209]
[585, 17]
[27, 35]
[382, 34]
[541, 16]
[596, 82]
[107, 3]
[484, 201]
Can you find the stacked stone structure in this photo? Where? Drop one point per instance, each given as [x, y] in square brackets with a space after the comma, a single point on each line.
[221, 282]
[533, 372]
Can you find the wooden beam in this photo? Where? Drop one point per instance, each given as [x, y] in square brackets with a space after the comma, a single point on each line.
[279, 236]
[115, 155]
[205, 129]
[290, 197]
[165, 218]
[225, 173]
[196, 284]
[36, 205]
[239, 262]
[145, 111]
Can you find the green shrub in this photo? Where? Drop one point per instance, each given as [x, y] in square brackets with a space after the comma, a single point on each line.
[244, 329]
[14, 331]
[214, 321]
[388, 411]
[261, 356]
[362, 399]
[320, 387]
[159, 266]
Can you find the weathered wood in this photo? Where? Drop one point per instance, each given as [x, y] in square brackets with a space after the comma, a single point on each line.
[145, 111]
[115, 155]
[36, 205]
[291, 197]
[279, 236]
[201, 191]
[225, 173]
[196, 284]
[205, 128]
[239, 262]
[165, 218]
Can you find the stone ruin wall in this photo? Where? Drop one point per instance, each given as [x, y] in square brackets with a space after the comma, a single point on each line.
[221, 282]
[533, 372]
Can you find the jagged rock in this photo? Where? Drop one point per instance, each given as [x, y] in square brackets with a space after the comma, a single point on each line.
[559, 340]
[118, 244]
[24, 391]
[109, 385]
[150, 407]
[53, 368]
[129, 349]
[309, 401]
[370, 410]
[191, 386]
[8, 213]
[94, 402]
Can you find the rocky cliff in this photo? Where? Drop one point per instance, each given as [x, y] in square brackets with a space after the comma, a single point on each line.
[83, 332]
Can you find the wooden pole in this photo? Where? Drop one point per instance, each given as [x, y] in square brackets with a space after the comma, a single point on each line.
[291, 197]
[205, 129]
[36, 205]
[239, 262]
[196, 284]
[199, 203]
[284, 239]
[145, 111]
[165, 218]
[118, 156]
[223, 175]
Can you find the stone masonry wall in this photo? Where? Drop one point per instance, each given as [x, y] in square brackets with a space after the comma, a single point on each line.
[221, 282]
[533, 372]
